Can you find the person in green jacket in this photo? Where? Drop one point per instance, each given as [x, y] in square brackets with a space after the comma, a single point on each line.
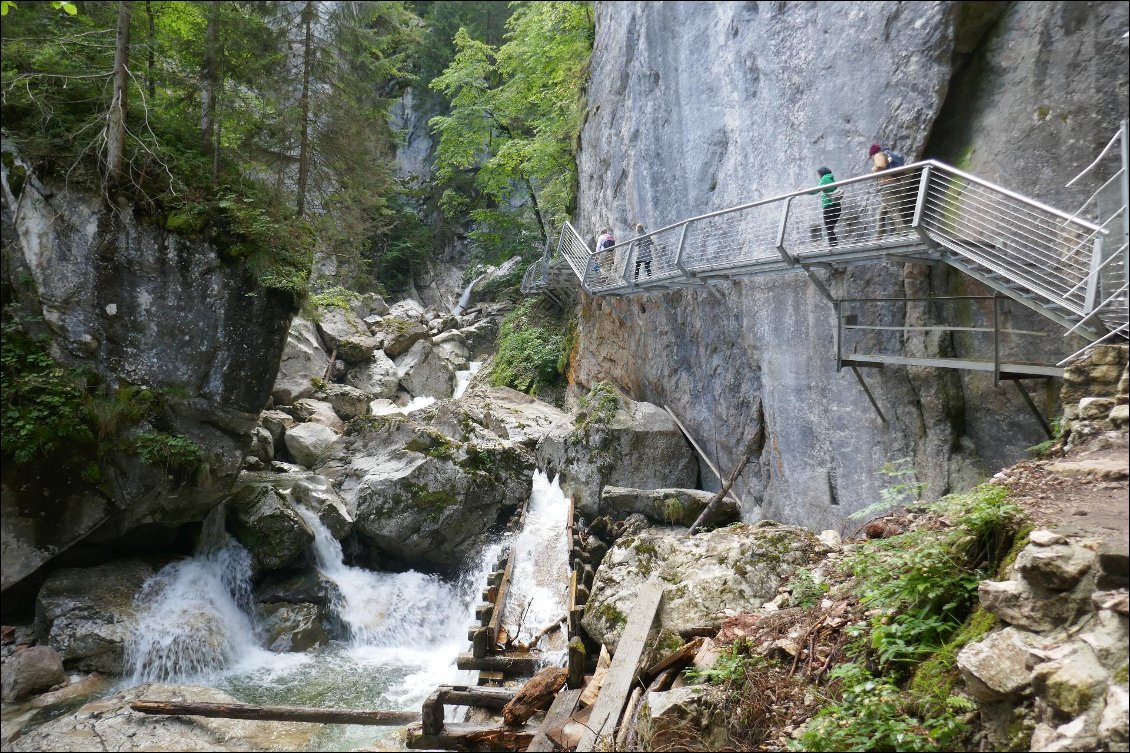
[830, 201]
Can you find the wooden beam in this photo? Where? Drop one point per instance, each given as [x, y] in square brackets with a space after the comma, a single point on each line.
[470, 737]
[622, 672]
[500, 600]
[555, 719]
[277, 713]
[513, 664]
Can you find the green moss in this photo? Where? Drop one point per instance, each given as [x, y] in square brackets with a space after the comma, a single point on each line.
[434, 502]
[1019, 541]
[610, 615]
[1122, 674]
[335, 297]
[433, 444]
[672, 510]
[599, 407]
[1042, 113]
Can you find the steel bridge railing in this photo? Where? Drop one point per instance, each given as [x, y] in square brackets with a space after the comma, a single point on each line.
[1056, 262]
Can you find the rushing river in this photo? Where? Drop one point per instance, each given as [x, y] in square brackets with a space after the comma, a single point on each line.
[405, 630]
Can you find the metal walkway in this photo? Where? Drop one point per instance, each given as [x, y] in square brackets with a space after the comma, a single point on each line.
[1071, 268]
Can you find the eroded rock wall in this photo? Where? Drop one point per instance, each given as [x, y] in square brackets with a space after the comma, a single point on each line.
[697, 107]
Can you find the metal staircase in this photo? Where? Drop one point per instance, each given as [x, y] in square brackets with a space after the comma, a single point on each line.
[1071, 268]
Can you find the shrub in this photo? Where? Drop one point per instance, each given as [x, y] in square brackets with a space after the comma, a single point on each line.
[530, 343]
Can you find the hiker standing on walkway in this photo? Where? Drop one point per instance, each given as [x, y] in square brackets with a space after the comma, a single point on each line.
[643, 255]
[890, 214]
[831, 201]
[604, 241]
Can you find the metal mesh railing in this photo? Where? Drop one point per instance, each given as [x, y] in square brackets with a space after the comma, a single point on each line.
[1024, 248]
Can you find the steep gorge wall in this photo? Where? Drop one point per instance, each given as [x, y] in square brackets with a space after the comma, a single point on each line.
[138, 306]
[696, 107]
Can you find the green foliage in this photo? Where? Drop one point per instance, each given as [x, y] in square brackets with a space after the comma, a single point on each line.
[530, 342]
[1043, 448]
[168, 451]
[45, 407]
[673, 510]
[335, 297]
[599, 407]
[807, 592]
[902, 491]
[873, 714]
[728, 669]
[515, 114]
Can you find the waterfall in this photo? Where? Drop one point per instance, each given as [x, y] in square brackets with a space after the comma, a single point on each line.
[387, 610]
[463, 378]
[466, 297]
[540, 579]
[193, 616]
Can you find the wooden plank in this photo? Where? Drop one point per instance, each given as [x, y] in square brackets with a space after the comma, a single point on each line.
[556, 718]
[277, 713]
[622, 672]
[470, 737]
[516, 664]
[682, 655]
[500, 601]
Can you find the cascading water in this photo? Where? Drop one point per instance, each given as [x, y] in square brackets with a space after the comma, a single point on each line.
[466, 297]
[539, 582]
[194, 618]
[463, 378]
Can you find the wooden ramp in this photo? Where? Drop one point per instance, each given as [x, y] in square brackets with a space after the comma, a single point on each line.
[622, 673]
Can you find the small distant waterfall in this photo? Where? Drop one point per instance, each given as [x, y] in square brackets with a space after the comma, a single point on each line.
[463, 378]
[466, 297]
[540, 580]
[387, 609]
[194, 615]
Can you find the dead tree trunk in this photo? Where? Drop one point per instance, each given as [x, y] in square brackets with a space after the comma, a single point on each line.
[119, 102]
[277, 713]
[709, 509]
[304, 105]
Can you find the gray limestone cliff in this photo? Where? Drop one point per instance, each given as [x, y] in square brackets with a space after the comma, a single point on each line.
[694, 107]
[135, 306]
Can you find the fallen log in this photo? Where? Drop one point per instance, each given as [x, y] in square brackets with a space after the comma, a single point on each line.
[678, 657]
[537, 694]
[474, 737]
[277, 713]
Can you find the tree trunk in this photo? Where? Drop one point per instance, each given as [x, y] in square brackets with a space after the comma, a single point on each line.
[209, 74]
[150, 82]
[119, 103]
[277, 713]
[537, 212]
[304, 141]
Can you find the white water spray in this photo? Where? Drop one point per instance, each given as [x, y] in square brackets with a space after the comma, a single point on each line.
[463, 378]
[194, 615]
[539, 582]
[466, 297]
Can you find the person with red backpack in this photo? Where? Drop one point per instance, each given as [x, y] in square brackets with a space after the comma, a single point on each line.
[890, 192]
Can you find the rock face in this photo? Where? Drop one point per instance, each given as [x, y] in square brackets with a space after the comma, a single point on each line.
[303, 359]
[668, 138]
[84, 613]
[110, 725]
[292, 627]
[138, 306]
[422, 498]
[377, 376]
[735, 568]
[668, 506]
[618, 442]
[424, 373]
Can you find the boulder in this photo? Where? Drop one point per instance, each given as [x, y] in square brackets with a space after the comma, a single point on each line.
[724, 571]
[346, 335]
[423, 498]
[1115, 721]
[292, 627]
[30, 671]
[1054, 567]
[481, 337]
[303, 359]
[376, 377]
[347, 402]
[401, 334]
[617, 441]
[506, 413]
[424, 373]
[110, 725]
[679, 507]
[1120, 416]
[319, 412]
[1073, 684]
[84, 613]
[996, 669]
[305, 586]
[408, 310]
[308, 442]
[1095, 408]
[666, 720]
[276, 422]
[370, 304]
[262, 444]
[453, 349]
[263, 520]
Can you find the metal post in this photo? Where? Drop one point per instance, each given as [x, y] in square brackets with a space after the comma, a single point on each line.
[1092, 292]
[923, 185]
[629, 278]
[781, 233]
[679, 251]
[996, 343]
[1125, 181]
[839, 337]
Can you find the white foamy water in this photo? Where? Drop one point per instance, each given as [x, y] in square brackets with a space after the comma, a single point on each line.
[417, 403]
[193, 619]
[466, 297]
[463, 378]
[540, 580]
